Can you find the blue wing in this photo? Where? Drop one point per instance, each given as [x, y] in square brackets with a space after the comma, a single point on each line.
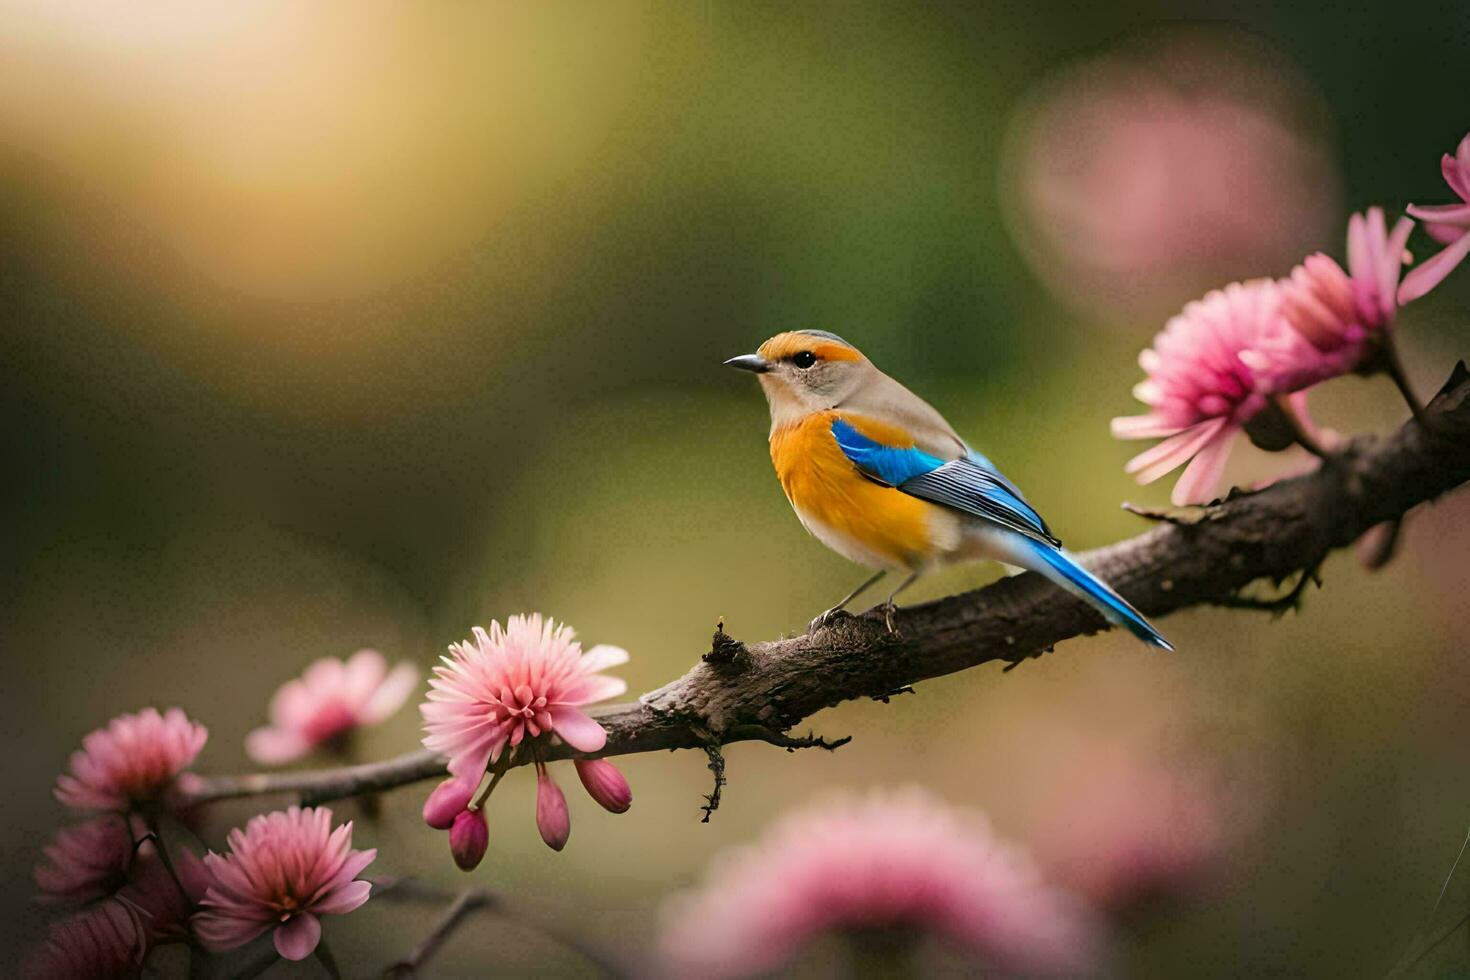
[969, 484]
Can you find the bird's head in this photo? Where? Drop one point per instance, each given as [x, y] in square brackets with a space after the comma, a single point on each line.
[805, 371]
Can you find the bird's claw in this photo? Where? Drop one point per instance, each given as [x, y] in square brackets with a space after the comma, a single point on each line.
[888, 609]
[827, 618]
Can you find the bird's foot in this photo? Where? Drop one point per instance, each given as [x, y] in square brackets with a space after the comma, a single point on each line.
[827, 619]
[888, 609]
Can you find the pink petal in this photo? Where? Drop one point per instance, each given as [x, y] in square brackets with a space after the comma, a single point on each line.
[275, 746]
[350, 896]
[602, 657]
[1198, 481]
[578, 729]
[1153, 463]
[296, 938]
[1430, 273]
[219, 931]
[1141, 427]
[361, 676]
[390, 695]
[596, 687]
[1456, 170]
[1445, 214]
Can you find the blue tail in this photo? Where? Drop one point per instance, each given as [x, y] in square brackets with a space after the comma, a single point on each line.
[1062, 568]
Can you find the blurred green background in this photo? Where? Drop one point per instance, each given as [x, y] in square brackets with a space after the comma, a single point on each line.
[335, 326]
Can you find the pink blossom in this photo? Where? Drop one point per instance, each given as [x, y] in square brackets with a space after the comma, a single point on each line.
[605, 784]
[1135, 828]
[469, 836]
[136, 759]
[1339, 319]
[528, 680]
[1201, 388]
[897, 860]
[285, 871]
[1448, 224]
[86, 861]
[331, 699]
[102, 940]
[523, 686]
[1139, 176]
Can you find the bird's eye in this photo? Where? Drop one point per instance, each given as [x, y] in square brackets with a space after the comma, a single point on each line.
[804, 360]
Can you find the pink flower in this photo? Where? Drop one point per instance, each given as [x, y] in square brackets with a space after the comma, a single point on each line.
[1339, 320]
[527, 681]
[86, 861]
[1200, 389]
[103, 940]
[327, 702]
[1448, 224]
[1136, 177]
[1136, 829]
[136, 759]
[283, 872]
[898, 860]
[524, 685]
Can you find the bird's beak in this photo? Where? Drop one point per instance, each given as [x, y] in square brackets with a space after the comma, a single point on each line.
[753, 363]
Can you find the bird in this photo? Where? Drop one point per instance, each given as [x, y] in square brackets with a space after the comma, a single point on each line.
[877, 475]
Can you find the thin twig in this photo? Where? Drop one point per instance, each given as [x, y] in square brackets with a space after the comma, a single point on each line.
[717, 767]
[468, 901]
[1279, 606]
[1395, 369]
[1431, 947]
[151, 820]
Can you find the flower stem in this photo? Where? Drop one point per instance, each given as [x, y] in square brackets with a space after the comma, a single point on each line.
[1395, 369]
[150, 819]
[501, 768]
[328, 961]
[881, 953]
[1299, 432]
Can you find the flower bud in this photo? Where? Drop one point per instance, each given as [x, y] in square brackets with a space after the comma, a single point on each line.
[468, 839]
[552, 818]
[449, 799]
[605, 784]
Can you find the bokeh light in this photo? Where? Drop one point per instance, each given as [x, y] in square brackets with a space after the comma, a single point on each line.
[1167, 165]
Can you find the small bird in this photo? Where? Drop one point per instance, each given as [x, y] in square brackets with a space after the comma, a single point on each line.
[878, 476]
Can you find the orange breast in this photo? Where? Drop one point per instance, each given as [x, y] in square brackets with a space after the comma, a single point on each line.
[871, 524]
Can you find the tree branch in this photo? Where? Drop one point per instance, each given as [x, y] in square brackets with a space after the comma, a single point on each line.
[467, 902]
[742, 692]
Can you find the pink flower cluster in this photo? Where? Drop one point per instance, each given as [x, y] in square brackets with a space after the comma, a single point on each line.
[520, 688]
[900, 861]
[1226, 358]
[141, 905]
[328, 702]
[283, 872]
